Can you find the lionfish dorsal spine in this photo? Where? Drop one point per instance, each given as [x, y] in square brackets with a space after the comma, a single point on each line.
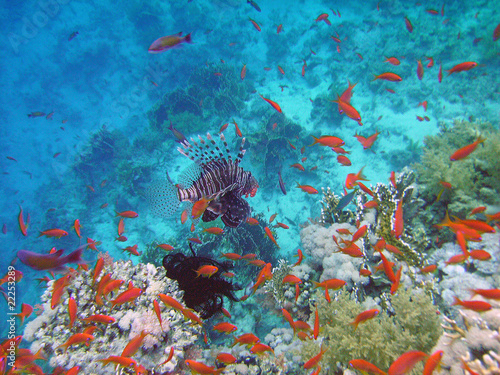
[223, 139]
[241, 153]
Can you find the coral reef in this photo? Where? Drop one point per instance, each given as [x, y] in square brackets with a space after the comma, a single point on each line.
[475, 180]
[474, 340]
[331, 212]
[51, 329]
[408, 320]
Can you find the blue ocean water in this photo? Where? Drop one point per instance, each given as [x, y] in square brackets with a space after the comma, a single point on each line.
[80, 89]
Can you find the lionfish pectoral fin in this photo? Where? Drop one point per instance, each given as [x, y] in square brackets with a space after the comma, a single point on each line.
[162, 198]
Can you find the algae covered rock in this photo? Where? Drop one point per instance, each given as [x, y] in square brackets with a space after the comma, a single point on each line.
[475, 180]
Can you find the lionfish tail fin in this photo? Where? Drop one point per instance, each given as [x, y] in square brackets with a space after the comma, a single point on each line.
[241, 153]
[163, 199]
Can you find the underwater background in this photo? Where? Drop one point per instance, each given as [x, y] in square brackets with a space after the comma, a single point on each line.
[86, 131]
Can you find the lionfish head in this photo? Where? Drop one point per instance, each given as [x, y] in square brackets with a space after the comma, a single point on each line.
[251, 187]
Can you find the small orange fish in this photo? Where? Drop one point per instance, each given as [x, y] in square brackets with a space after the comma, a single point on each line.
[466, 150]
[243, 72]
[351, 179]
[273, 104]
[462, 67]
[299, 166]
[119, 360]
[77, 338]
[255, 24]
[225, 358]
[171, 302]
[398, 223]
[225, 327]
[121, 226]
[327, 140]
[291, 279]
[405, 362]
[270, 235]
[26, 311]
[58, 233]
[388, 76]
[199, 207]
[349, 110]
[477, 306]
[214, 230]
[237, 129]
[77, 228]
[365, 367]
[127, 214]
[134, 344]
[127, 296]
[313, 362]
[300, 256]
[206, 271]
[22, 225]
[392, 60]
[420, 70]
[252, 221]
[261, 348]
[432, 362]
[307, 188]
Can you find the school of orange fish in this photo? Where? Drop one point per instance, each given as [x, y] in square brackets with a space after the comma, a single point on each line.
[466, 231]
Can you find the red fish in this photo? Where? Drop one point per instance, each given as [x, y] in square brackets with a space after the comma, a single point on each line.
[408, 24]
[22, 225]
[225, 327]
[307, 188]
[199, 207]
[351, 179]
[243, 72]
[58, 233]
[127, 214]
[344, 160]
[328, 140]
[477, 306]
[440, 74]
[255, 24]
[432, 362]
[54, 262]
[365, 367]
[406, 362]
[299, 166]
[392, 60]
[206, 271]
[466, 150]
[420, 70]
[273, 104]
[462, 67]
[168, 42]
[349, 110]
[313, 362]
[496, 33]
[270, 235]
[364, 316]
[398, 223]
[388, 76]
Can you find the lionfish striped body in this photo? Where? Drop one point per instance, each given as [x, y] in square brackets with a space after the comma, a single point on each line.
[214, 176]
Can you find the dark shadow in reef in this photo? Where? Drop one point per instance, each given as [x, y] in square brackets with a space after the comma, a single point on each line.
[202, 294]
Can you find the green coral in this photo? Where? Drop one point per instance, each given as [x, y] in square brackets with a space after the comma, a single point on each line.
[330, 213]
[475, 180]
[409, 322]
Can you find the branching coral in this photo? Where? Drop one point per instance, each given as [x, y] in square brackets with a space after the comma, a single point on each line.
[51, 328]
[408, 322]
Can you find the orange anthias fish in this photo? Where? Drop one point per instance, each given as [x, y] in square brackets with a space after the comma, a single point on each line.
[350, 181]
[58, 233]
[206, 271]
[199, 207]
[22, 225]
[313, 362]
[466, 150]
[365, 367]
[168, 42]
[349, 110]
[328, 140]
[364, 316]
[392, 60]
[405, 363]
[462, 67]
[346, 95]
[255, 24]
[270, 235]
[225, 327]
[127, 214]
[273, 104]
[201, 368]
[307, 188]
[388, 76]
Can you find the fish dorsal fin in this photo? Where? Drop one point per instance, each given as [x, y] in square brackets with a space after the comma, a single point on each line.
[190, 175]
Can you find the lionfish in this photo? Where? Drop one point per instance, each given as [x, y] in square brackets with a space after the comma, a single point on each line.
[214, 176]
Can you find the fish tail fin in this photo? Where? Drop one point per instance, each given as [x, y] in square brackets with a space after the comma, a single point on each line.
[75, 256]
[187, 38]
[315, 141]
[163, 199]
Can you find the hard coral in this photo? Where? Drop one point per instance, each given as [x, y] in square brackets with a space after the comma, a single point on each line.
[51, 328]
